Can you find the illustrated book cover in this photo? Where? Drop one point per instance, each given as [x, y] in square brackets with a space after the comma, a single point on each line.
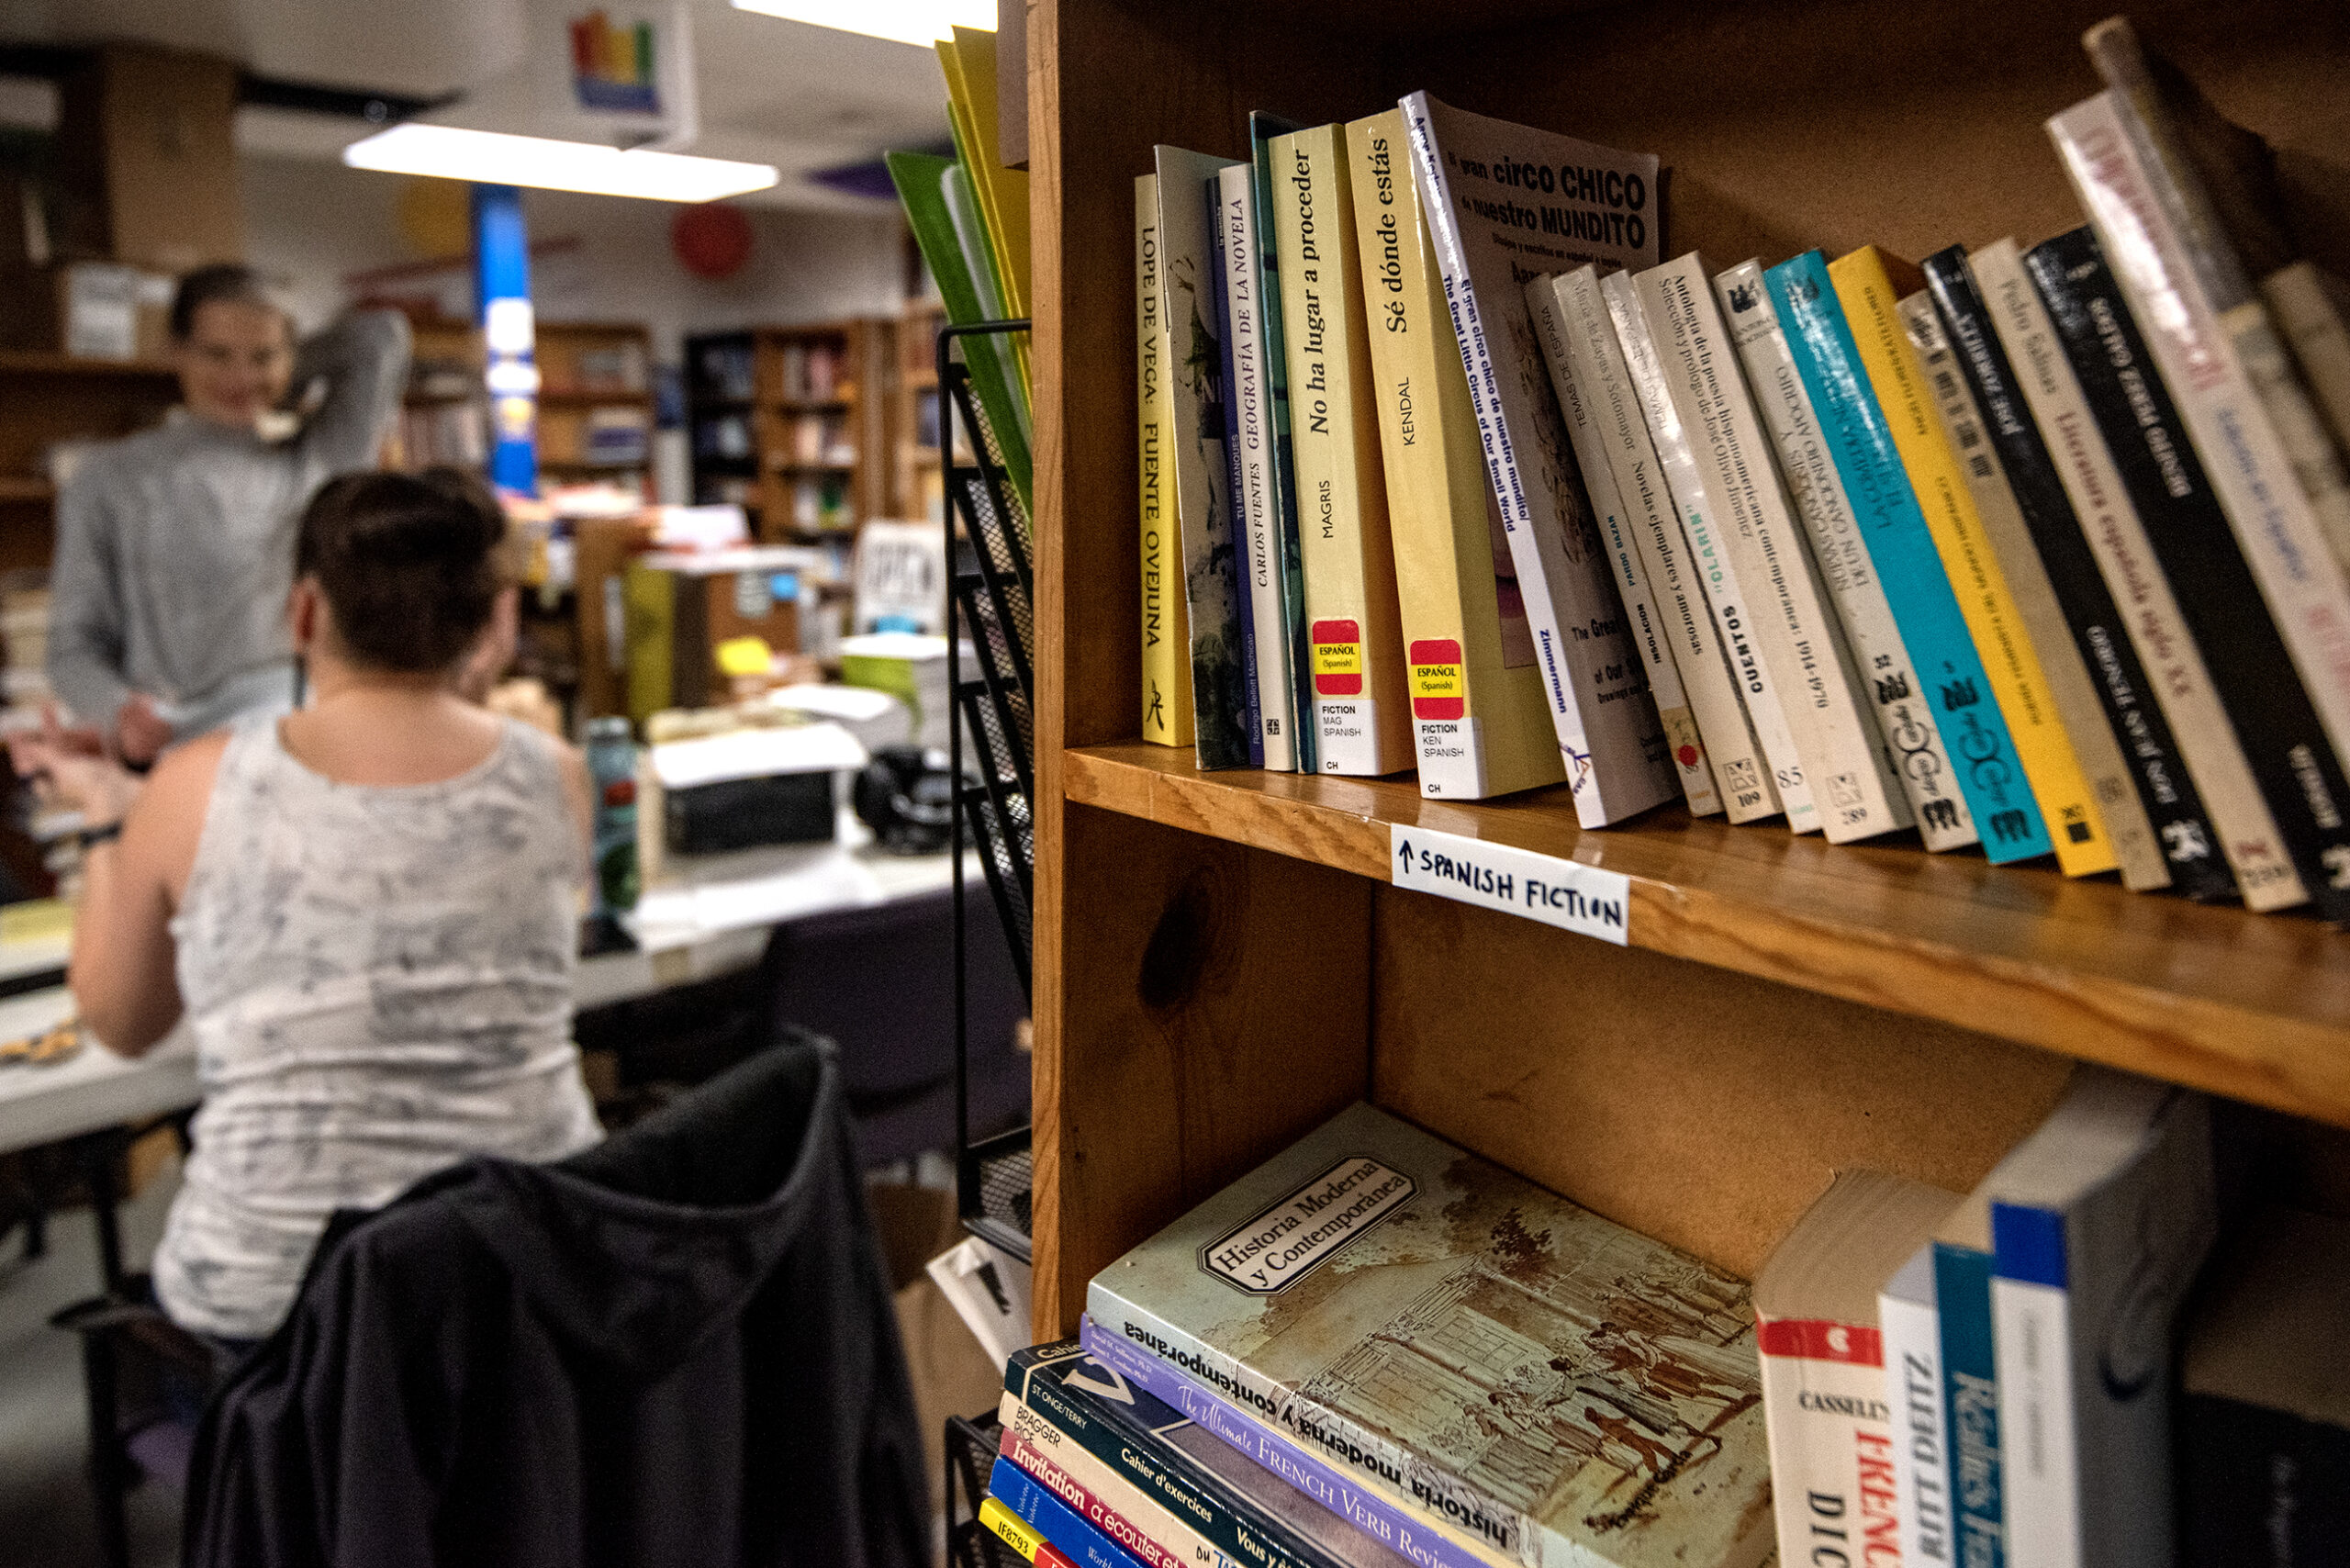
[1471, 1345]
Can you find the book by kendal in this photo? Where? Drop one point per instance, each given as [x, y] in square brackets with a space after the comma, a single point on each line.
[1474, 1348]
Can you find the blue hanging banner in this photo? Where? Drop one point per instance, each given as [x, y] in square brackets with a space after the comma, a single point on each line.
[502, 284]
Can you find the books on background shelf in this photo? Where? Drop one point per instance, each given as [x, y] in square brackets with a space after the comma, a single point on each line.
[1377, 1346]
[454, 433]
[1835, 541]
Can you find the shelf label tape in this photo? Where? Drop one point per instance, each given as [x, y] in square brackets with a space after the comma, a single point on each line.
[1572, 897]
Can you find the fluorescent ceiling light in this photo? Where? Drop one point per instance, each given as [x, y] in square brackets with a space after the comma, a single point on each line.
[908, 21]
[494, 158]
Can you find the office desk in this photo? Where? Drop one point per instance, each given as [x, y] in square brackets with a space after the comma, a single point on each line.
[714, 919]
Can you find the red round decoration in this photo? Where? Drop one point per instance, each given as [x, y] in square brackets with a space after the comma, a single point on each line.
[710, 241]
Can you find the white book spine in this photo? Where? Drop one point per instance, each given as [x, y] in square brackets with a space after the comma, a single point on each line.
[1709, 554]
[1590, 671]
[1680, 731]
[1824, 1412]
[2299, 574]
[2206, 737]
[1913, 1390]
[1888, 678]
[1844, 759]
[2040, 1487]
[1598, 360]
[2306, 314]
[1257, 473]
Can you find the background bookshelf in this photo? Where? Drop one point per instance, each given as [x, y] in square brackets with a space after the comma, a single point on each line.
[49, 404]
[918, 485]
[1220, 962]
[445, 412]
[822, 427]
[596, 403]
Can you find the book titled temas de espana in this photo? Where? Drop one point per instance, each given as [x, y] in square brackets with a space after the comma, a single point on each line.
[1478, 1349]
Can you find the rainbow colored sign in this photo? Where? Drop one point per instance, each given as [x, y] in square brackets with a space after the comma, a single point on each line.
[611, 67]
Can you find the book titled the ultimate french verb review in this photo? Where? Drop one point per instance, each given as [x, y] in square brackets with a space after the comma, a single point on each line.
[1482, 1352]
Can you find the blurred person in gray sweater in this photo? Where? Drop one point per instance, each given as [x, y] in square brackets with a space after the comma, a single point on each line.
[175, 546]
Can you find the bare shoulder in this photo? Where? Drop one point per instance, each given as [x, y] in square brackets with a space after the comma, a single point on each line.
[167, 823]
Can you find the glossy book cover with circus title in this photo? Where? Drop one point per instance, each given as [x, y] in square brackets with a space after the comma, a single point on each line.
[1564, 1390]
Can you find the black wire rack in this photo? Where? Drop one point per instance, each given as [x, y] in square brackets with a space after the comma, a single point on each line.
[992, 735]
[970, 1456]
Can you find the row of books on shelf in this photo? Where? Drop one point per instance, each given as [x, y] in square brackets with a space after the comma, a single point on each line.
[820, 502]
[1380, 1349]
[616, 367]
[1444, 465]
[617, 436]
[453, 432]
[815, 370]
[819, 438]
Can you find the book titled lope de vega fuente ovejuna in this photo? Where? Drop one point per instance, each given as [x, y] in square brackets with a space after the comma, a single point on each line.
[1546, 1386]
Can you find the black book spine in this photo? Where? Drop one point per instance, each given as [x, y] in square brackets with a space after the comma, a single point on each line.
[2261, 1488]
[2190, 846]
[2251, 671]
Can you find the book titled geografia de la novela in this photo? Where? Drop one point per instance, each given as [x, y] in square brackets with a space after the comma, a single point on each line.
[1560, 1388]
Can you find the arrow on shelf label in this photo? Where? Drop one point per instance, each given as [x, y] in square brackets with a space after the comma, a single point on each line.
[1572, 897]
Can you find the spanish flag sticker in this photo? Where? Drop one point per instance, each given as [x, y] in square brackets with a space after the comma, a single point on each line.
[1439, 688]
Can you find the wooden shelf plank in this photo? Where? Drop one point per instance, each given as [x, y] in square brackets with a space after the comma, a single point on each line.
[2254, 1007]
[25, 362]
[26, 488]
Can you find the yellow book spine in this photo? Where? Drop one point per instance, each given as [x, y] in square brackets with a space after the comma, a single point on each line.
[1009, 1526]
[1865, 287]
[1360, 704]
[1165, 623]
[1481, 719]
[650, 598]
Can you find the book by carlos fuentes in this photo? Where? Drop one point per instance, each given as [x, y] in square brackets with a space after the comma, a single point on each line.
[1478, 1349]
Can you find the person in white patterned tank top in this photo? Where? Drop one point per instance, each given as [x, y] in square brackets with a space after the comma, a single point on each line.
[365, 910]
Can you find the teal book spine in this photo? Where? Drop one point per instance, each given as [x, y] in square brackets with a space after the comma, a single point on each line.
[1970, 1401]
[1941, 650]
[1290, 560]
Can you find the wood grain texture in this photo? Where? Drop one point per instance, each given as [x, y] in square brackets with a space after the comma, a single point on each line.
[1703, 1108]
[1214, 1008]
[1838, 123]
[2255, 1007]
[1107, 81]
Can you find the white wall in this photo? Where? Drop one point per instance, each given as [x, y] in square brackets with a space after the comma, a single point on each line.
[310, 224]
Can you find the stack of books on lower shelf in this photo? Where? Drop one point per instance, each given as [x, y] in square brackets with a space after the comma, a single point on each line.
[1380, 1349]
[2041, 549]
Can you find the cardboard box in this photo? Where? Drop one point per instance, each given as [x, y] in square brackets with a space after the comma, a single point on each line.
[681, 607]
[601, 550]
[113, 312]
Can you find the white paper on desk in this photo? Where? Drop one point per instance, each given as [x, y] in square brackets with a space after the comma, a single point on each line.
[760, 753]
[990, 1291]
[837, 881]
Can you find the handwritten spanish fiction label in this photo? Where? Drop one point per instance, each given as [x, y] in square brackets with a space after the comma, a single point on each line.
[1581, 899]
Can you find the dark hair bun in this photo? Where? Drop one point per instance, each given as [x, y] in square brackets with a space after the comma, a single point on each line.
[409, 563]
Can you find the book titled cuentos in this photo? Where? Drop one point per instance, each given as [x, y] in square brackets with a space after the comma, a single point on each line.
[1482, 1352]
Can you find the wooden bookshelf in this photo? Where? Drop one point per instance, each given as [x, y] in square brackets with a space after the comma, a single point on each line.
[47, 398]
[917, 480]
[835, 378]
[1220, 960]
[586, 368]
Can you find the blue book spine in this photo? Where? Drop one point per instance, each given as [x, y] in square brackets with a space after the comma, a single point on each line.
[1054, 1519]
[1220, 301]
[1279, 1454]
[1916, 588]
[1970, 1404]
[1290, 570]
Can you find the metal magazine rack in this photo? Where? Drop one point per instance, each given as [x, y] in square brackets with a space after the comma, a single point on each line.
[993, 740]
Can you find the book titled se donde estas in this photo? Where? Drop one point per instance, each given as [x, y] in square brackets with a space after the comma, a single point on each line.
[1482, 1352]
